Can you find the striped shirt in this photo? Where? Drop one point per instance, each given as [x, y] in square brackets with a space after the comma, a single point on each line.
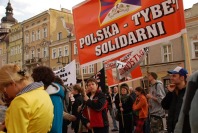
[31, 87]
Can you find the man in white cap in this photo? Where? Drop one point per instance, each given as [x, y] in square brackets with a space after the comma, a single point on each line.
[174, 98]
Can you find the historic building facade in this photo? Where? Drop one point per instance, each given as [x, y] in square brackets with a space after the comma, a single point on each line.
[39, 32]
[15, 44]
[191, 16]
[61, 44]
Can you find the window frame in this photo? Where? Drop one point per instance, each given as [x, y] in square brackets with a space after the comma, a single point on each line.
[53, 53]
[193, 49]
[169, 59]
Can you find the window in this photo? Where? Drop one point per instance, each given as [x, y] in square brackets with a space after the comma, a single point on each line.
[66, 51]
[77, 68]
[16, 50]
[84, 69]
[20, 49]
[91, 68]
[145, 61]
[195, 45]
[27, 38]
[11, 52]
[32, 54]
[167, 53]
[53, 53]
[75, 49]
[38, 52]
[27, 56]
[59, 52]
[45, 54]
[33, 37]
[45, 32]
[38, 35]
[59, 36]
[3, 62]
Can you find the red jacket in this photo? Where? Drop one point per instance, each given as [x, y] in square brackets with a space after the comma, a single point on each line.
[97, 108]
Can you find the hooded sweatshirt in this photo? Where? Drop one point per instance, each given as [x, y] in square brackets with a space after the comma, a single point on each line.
[56, 94]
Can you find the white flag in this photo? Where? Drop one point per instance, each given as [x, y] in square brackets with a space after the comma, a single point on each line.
[68, 73]
[134, 60]
[115, 71]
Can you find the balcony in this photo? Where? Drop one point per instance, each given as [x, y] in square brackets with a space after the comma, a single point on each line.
[27, 62]
[4, 30]
[34, 61]
[39, 59]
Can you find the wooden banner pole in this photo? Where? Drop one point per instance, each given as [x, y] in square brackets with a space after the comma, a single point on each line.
[119, 103]
[84, 93]
[187, 54]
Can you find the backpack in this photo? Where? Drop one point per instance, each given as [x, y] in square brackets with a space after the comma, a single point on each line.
[159, 82]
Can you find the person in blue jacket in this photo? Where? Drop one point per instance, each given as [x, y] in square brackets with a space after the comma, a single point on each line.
[47, 76]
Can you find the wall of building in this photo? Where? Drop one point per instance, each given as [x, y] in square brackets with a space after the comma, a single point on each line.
[15, 44]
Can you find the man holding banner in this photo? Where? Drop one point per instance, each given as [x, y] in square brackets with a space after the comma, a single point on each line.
[94, 115]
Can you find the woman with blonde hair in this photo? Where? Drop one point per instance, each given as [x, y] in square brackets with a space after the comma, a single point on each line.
[31, 110]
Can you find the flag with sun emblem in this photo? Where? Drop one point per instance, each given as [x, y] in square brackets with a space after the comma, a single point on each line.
[113, 9]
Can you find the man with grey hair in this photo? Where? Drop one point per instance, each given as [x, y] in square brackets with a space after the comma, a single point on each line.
[155, 96]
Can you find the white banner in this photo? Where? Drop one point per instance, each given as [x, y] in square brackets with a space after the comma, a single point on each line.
[68, 73]
[134, 60]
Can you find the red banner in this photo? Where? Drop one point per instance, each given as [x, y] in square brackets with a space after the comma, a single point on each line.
[107, 28]
[112, 66]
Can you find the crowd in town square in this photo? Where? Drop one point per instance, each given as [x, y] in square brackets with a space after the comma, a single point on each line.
[40, 103]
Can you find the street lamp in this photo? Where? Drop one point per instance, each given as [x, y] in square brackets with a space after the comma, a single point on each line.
[63, 60]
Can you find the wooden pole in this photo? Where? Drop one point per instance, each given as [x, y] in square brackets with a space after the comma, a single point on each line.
[120, 102]
[84, 93]
[187, 54]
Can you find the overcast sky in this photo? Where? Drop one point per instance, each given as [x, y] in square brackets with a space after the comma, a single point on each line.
[24, 9]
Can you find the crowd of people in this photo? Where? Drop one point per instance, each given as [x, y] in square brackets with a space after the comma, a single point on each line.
[39, 103]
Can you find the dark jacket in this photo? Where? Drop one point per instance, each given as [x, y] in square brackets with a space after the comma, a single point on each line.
[108, 97]
[97, 111]
[173, 102]
[127, 104]
[126, 117]
[78, 101]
